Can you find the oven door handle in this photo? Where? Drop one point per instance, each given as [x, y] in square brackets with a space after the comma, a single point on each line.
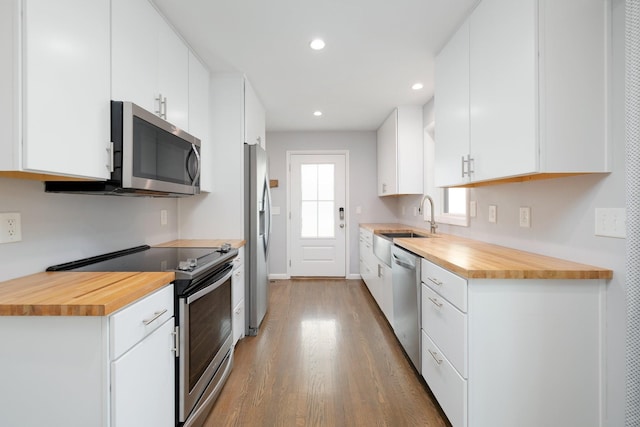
[208, 289]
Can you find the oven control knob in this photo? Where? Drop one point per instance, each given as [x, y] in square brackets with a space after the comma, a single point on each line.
[184, 266]
[193, 262]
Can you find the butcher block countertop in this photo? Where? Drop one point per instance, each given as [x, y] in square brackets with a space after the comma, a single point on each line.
[69, 293]
[474, 259]
[201, 243]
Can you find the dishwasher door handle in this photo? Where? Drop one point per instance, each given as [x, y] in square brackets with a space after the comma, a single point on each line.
[403, 263]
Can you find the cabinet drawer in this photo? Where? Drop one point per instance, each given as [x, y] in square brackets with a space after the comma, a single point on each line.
[447, 284]
[239, 259]
[134, 322]
[237, 286]
[449, 388]
[447, 327]
[366, 236]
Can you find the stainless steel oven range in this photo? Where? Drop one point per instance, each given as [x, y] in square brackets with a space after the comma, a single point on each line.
[203, 316]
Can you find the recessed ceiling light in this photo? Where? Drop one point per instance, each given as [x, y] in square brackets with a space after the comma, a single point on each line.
[417, 86]
[317, 44]
[317, 113]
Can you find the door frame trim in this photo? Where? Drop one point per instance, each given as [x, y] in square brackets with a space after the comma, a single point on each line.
[347, 252]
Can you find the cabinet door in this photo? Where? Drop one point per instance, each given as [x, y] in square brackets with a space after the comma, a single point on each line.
[66, 87]
[173, 75]
[254, 117]
[503, 88]
[386, 291]
[452, 109]
[238, 322]
[199, 117]
[387, 137]
[134, 52]
[409, 150]
[143, 382]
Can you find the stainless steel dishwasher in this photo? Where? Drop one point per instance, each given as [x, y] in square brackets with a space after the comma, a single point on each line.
[405, 268]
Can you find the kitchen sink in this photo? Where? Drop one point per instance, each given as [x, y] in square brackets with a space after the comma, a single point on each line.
[393, 235]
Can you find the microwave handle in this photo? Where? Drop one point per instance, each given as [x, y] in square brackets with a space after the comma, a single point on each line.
[195, 151]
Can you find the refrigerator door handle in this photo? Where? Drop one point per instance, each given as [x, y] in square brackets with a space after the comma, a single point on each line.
[267, 207]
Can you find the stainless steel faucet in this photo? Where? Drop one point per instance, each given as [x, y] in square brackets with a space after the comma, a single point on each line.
[432, 223]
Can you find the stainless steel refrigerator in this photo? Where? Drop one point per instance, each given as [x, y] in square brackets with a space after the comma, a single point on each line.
[257, 230]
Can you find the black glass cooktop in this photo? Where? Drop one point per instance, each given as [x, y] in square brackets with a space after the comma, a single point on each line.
[145, 258]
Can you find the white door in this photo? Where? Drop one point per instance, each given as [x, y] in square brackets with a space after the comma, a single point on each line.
[318, 225]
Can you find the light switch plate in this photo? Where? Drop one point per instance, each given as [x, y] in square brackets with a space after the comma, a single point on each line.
[525, 216]
[473, 208]
[493, 214]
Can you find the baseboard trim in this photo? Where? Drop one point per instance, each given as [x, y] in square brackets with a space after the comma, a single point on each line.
[279, 277]
[353, 276]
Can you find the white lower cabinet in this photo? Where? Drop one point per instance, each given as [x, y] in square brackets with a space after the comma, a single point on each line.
[445, 382]
[86, 371]
[141, 381]
[237, 297]
[376, 275]
[514, 352]
[386, 290]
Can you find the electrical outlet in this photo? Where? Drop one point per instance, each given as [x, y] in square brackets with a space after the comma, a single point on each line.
[493, 214]
[163, 217]
[10, 227]
[525, 216]
[611, 222]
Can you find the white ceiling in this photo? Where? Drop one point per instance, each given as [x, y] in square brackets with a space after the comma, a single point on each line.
[375, 50]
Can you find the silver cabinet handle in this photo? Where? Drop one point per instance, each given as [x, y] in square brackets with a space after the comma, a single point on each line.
[176, 341]
[435, 356]
[436, 302]
[110, 157]
[162, 106]
[156, 315]
[468, 161]
[434, 281]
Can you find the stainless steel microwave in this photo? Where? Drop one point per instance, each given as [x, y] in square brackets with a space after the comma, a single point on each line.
[149, 157]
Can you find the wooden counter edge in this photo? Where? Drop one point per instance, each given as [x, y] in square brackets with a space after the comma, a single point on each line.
[118, 295]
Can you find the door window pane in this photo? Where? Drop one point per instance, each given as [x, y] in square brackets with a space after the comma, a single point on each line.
[325, 219]
[309, 219]
[325, 182]
[317, 201]
[309, 182]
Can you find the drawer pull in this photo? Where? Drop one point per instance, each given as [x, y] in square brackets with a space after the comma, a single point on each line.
[434, 281]
[156, 315]
[436, 302]
[238, 310]
[435, 356]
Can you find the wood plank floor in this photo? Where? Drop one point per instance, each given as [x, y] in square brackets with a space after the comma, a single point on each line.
[324, 356]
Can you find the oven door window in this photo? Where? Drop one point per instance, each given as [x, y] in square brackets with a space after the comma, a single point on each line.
[209, 327]
[161, 156]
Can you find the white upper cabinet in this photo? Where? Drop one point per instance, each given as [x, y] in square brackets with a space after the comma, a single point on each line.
[199, 116]
[150, 63]
[400, 152]
[254, 117]
[537, 92]
[54, 87]
[452, 110]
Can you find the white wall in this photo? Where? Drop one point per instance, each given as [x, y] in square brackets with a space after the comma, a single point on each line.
[362, 186]
[57, 228]
[563, 222]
